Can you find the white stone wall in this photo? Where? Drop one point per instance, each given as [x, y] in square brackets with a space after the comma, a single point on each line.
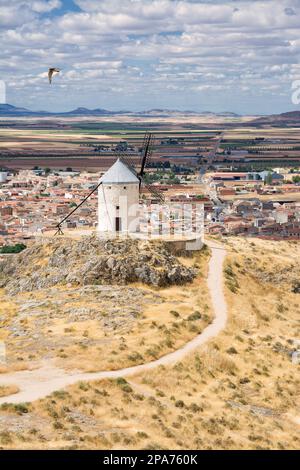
[3, 177]
[122, 195]
[281, 217]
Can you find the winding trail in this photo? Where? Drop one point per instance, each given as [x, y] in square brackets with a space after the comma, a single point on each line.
[39, 383]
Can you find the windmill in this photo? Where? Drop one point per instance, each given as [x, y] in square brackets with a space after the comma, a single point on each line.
[127, 160]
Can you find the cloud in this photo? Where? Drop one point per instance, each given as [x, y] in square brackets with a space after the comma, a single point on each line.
[41, 6]
[18, 12]
[148, 48]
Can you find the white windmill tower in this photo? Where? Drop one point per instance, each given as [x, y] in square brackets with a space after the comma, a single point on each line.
[118, 200]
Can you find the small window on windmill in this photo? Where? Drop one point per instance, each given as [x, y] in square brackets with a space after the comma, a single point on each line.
[125, 187]
[117, 208]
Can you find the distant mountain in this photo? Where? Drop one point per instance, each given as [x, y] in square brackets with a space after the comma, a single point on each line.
[172, 112]
[88, 112]
[228, 114]
[10, 110]
[222, 114]
[289, 119]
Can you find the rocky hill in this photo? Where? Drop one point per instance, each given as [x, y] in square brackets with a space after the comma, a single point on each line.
[92, 261]
[290, 119]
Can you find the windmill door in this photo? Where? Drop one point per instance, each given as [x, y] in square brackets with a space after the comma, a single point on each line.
[118, 224]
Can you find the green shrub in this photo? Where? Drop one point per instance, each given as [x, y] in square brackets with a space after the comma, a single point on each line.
[84, 386]
[7, 249]
[121, 381]
[195, 408]
[124, 385]
[19, 408]
[179, 404]
[58, 425]
[61, 394]
[142, 435]
[126, 388]
[135, 356]
[232, 350]
[229, 271]
[195, 316]
[175, 314]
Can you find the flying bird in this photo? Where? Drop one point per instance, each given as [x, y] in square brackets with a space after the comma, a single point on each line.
[51, 71]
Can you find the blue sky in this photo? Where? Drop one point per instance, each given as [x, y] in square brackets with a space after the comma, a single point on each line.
[239, 56]
[63, 7]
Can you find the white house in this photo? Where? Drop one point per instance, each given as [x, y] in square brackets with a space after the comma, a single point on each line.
[118, 200]
[3, 177]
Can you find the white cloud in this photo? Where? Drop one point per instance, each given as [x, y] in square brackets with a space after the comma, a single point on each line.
[41, 6]
[17, 12]
[135, 45]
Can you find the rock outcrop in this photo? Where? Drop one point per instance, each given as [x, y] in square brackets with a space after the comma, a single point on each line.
[277, 275]
[92, 261]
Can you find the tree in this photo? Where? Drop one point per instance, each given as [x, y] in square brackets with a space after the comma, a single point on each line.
[12, 248]
[296, 179]
[269, 178]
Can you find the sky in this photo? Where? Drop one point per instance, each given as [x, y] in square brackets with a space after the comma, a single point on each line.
[238, 56]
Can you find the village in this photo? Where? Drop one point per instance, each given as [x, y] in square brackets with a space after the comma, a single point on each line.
[263, 204]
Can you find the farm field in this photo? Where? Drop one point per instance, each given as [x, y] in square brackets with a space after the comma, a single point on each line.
[79, 143]
[289, 197]
[261, 147]
[93, 145]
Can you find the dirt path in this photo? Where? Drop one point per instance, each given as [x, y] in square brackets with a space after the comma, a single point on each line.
[38, 383]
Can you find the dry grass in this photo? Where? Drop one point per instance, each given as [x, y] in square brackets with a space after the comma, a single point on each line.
[240, 391]
[171, 315]
[8, 390]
